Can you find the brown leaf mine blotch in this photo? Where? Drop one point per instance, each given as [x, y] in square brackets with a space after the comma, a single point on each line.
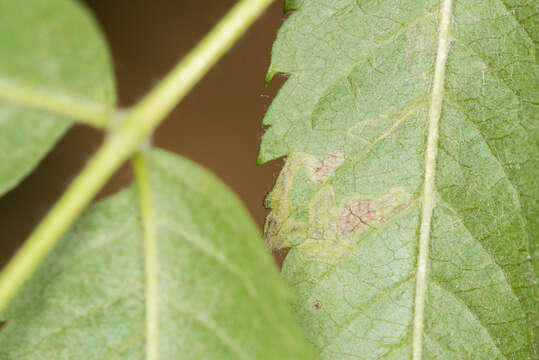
[357, 214]
[324, 169]
[281, 229]
[332, 228]
[372, 212]
[306, 216]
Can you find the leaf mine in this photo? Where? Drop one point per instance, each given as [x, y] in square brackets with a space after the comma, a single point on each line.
[326, 232]
[420, 244]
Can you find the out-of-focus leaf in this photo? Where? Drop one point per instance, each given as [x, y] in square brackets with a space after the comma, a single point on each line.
[48, 48]
[220, 296]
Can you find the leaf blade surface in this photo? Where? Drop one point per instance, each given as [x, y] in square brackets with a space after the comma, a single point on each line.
[49, 49]
[219, 295]
[352, 119]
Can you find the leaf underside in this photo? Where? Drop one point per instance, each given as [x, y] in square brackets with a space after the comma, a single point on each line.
[41, 50]
[219, 294]
[352, 120]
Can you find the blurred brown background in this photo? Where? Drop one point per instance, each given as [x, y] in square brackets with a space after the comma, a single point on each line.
[218, 124]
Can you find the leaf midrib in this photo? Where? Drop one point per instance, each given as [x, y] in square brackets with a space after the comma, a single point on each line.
[88, 112]
[202, 245]
[151, 260]
[427, 201]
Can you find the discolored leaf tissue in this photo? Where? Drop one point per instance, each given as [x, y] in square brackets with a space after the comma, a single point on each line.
[409, 193]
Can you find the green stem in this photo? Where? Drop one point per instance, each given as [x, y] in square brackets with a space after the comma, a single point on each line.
[151, 264]
[83, 111]
[120, 144]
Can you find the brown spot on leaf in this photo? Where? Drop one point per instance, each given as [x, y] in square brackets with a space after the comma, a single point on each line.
[316, 305]
[371, 212]
[328, 165]
[357, 214]
[456, 224]
[2, 324]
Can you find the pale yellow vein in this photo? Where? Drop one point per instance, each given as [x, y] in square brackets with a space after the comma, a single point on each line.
[428, 197]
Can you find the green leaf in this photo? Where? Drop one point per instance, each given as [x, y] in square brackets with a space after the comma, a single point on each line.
[52, 55]
[218, 292]
[356, 200]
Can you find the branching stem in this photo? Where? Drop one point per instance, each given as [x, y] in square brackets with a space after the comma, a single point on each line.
[139, 122]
